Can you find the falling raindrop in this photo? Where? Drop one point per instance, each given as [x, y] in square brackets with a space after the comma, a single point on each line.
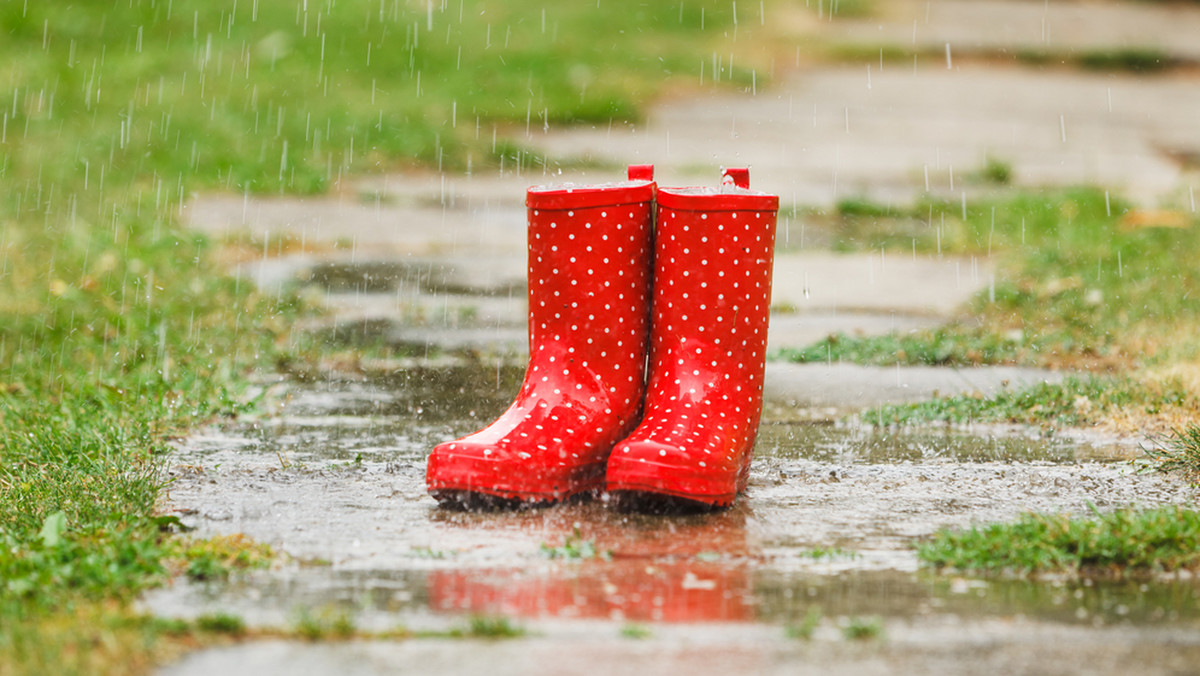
[283, 160]
[991, 232]
[938, 236]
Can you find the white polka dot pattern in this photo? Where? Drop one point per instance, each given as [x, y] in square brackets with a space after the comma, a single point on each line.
[589, 297]
[712, 288]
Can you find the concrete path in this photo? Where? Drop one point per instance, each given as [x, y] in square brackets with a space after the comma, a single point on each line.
[894, 133]
[1008, 647]
[333, 477]
[1067, 27]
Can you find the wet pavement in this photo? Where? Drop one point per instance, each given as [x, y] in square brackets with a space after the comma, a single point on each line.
[333, 477]
[1009, 647]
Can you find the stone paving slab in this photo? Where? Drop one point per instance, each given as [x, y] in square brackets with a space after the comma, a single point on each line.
[1015, 648]
[826, 133]
[1071, 26]
[850, 387]
[456, 302]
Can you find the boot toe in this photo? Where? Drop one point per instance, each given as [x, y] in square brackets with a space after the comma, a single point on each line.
[465, 467]
[665, 469]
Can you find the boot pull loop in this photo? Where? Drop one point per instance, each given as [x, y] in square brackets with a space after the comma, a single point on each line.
[641, 172]
[738, 177]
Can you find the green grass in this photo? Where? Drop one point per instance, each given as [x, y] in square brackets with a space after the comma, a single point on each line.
[994, 171]
[851, 207]
[1075, 401]
[804, 631]
[830, 553]
[1134, 59]
[218, 557]
[1140, 60]
[845, 9]
[221, 623]
[636, 631]
[573, 548]
[863, 628]
[268, 96]
[491, 628]
[1118, 543]
[324, 625]
[1178, 451]
[935, 347]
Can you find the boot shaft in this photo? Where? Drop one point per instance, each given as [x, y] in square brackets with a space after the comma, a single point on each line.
[712, 284]
[590, 252]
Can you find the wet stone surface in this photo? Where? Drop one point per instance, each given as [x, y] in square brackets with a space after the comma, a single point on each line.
[333, 478]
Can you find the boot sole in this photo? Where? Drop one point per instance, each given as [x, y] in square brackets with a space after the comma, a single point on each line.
[475, 500]
[653, 501]
[463, 494]
[633, 491]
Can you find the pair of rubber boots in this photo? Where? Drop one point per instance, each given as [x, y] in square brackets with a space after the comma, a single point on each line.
[648, 313]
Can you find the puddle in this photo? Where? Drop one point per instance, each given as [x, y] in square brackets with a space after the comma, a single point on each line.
[782, 442]
[334, 478]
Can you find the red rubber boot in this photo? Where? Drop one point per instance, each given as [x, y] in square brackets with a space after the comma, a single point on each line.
[590, 251]
[712, 296]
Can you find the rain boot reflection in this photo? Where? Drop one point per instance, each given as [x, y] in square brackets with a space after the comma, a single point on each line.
[597, 564]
